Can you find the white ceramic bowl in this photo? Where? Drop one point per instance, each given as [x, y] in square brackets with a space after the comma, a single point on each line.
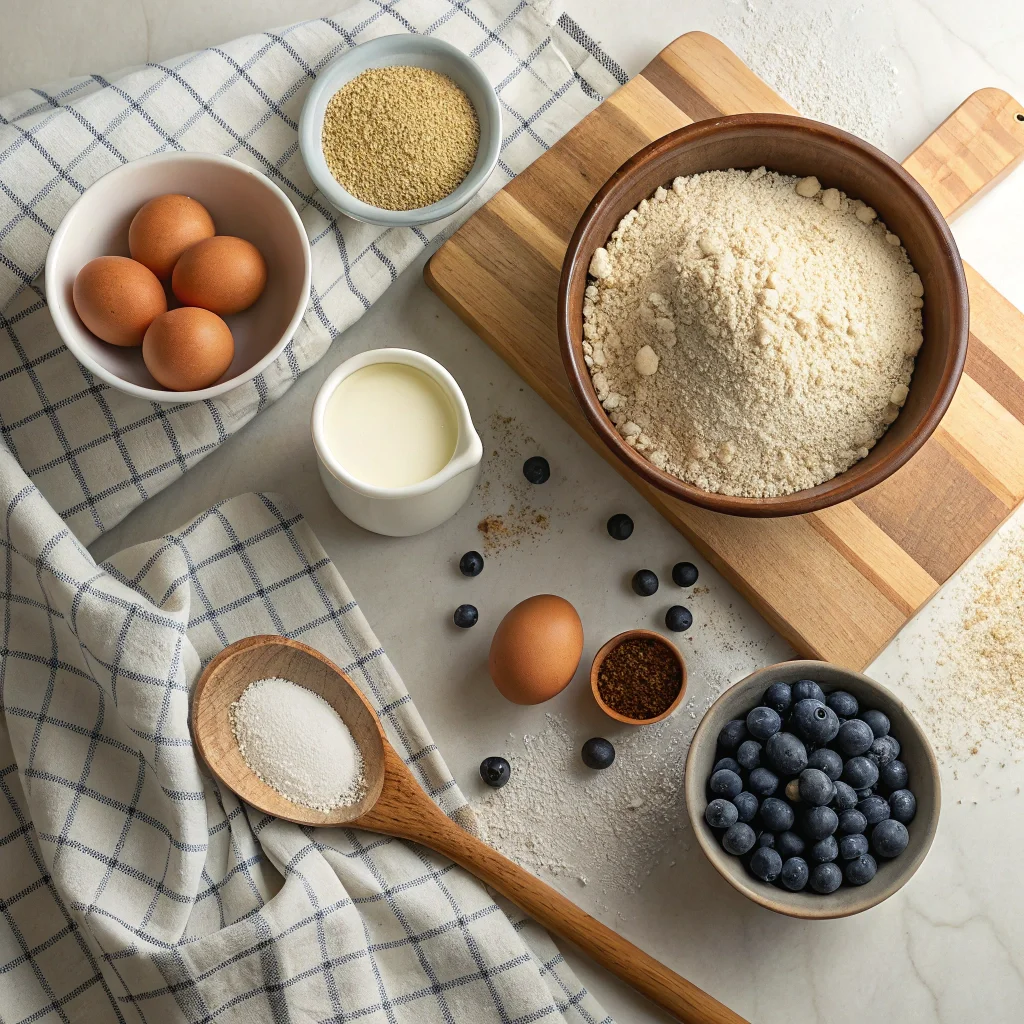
[242, 202]
[400, 511]
[407, 51]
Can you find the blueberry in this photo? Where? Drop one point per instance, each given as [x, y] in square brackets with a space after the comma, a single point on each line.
[894, 775]
[721, 813]
[860, 773]
[861, 870]
[738, 839]
[807, 689]
[824, 850]
[763, 723]
[678, 618]
[732, 735]
[874, 808]
[851, 847]
[843, 704]
[854, 737]
[786, 753]
[727, 762]
[902, 806]
[884, 750]
[879, 723]
[536, 469]
[766, 864]
[645, 583]
[845, 798]
[794, 874]
[778, 697]
[826, 878]
[766, 839]
[684, 574]
[471, 563]
[818, 822]
[495, 771]
[789, 844]
[777, 815]
[620, 526]
[813, 721]
[465, 616]
[598, 753]
[725, 783]
[827, 761]
[815, 787]
[889, 838]
[746, 805]
[762, 782]
[863, 794]
[749, 754]
[851, 823]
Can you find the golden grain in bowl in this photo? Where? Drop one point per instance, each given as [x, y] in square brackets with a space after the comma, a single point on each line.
[638, 677]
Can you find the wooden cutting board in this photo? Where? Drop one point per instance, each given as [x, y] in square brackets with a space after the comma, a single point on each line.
[838, 584]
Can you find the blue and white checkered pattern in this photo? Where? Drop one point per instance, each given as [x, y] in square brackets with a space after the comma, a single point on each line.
[95, 453]
[132, 887]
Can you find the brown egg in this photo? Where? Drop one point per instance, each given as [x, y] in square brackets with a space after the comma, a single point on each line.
[188, 348]
[164, 228]
[118, 299]
[536, 649]
[224, 274]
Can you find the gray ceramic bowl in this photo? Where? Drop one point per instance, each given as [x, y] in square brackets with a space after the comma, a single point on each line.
[410, 51]
[916, 753]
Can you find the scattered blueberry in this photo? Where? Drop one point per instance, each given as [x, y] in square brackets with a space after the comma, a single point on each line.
[814, 721]
[877, 720]
[465, 616]
[884, 750]
[763, 723]
[807, 689]
[727, 762]
[645, 583]
[749, 754]
[620, 526]
[762, 782]
[739, 839]
[826, 878]
[851, 823]
[747, 805]
[678, 618]
[598, 753]
[785, 753]
[778, 697]
[818, 822]
[794, 874]
[894, 775]
[902, 806]
[495, 771]
[851, 847]
[861, 870]
[777, 815]
[766, 864]
[889, 838]
[845, 798]
[860, 773]
[854, 737]
[536, 469]
[844, 704]
[471, 563]
[766, 839]
[814, 787]
[874, 808]
[824, 850]
[789, 844]
[721, 813]
[684, 574]
[732, 735]
[827, 761]
[725, 783]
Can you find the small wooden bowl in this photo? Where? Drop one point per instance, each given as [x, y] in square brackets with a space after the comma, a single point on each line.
[790, 145]
[916, 753]
[636, 634]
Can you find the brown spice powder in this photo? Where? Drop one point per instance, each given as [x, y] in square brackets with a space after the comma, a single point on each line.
[640, 678]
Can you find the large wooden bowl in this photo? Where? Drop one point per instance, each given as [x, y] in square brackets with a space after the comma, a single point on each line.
[791, 145]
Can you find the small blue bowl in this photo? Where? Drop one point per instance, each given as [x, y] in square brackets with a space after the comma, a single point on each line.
[409, 51]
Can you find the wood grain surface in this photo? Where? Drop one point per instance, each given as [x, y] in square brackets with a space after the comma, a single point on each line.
[839, 583]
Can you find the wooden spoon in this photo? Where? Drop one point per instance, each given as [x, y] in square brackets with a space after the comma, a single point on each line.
[396, 805]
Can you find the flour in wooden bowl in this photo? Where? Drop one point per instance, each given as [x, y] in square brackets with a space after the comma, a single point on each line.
[750, 333]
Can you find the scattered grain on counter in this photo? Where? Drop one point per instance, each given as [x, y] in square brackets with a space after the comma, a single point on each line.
[640, 678]
[400, 138]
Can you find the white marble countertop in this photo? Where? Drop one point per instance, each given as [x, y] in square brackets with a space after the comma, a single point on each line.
[950, 946]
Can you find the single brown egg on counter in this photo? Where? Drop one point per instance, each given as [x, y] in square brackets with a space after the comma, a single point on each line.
[188, 348]
[164, 228]
[536, 649]
[117, 299]
[223, 274]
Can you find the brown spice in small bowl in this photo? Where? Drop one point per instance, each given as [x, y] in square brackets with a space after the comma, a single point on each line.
[638, 677]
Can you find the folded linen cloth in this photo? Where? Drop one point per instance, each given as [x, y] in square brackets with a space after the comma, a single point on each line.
[96, 453]
[133, 888]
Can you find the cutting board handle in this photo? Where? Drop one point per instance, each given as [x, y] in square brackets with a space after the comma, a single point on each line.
[972, 150]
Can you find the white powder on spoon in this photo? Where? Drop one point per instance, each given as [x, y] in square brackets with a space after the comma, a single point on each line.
[298, 744]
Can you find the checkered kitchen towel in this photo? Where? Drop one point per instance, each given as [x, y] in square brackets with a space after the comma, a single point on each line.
[135, 889]
[96, 453]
